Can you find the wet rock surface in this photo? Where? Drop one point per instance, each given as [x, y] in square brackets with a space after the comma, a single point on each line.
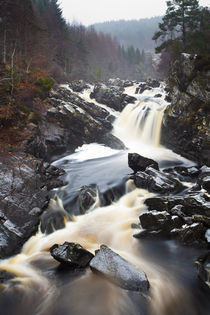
[24, 191]
[78, 85]
[71, 254]
[112, 96]
[139, 163]
[177, 211]
[69, 123]
[148, 85]
[157, 181]
[186, 121]
[118, 270]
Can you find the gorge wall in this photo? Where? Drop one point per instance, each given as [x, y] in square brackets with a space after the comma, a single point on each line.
[186, 121]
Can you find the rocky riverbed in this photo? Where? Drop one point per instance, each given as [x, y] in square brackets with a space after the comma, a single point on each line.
[178, 210]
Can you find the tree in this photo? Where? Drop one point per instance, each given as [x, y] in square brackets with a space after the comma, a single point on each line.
[182, 17]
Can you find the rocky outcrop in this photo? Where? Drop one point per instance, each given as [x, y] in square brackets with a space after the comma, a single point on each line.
[118, 270]
[69, 123]
[186, 121]
[25, 183]
[112, 96]
[181, 214]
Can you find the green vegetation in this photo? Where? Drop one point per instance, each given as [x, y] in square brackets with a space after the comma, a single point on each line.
[185, 29]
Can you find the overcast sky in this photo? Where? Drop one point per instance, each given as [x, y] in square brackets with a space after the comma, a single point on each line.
[91, 11]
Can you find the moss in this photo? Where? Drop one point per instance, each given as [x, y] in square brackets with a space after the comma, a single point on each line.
[43, 85]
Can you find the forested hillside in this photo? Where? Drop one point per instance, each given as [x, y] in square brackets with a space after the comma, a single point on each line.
[38, 48]
[137, 33]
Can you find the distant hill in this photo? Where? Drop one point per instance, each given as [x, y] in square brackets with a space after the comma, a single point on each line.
[137, 33]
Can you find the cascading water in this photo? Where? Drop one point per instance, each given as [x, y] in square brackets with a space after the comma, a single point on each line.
[40, 289]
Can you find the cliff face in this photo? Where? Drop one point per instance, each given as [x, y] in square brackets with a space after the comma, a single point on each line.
[186, 122]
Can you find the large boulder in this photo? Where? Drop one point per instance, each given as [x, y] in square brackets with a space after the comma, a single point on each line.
[139, 163]
[118, 270]
[111, 96]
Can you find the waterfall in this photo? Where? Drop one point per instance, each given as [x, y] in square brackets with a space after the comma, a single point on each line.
[139, 127]
[140, 123]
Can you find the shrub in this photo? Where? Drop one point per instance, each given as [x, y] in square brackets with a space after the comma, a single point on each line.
[43, 85]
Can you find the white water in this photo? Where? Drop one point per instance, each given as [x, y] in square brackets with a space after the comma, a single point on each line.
[139, 126]
[111, 225]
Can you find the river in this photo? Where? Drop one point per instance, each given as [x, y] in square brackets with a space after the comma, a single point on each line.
[112, 219]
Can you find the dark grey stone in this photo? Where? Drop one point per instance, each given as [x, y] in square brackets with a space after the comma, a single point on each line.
[118, 270]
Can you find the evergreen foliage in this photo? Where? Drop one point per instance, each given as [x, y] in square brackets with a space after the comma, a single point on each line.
[185, 28]
[183, 23]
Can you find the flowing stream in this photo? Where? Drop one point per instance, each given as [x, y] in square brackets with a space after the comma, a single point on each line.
[41, 288]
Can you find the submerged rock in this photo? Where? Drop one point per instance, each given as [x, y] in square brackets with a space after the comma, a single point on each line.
[139, 163]
[54, 217]
[118, 270]
[6, 276]
[71, 254]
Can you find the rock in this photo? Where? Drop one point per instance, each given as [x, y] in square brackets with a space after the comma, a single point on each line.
[157, 203]
[87, 197]
[186, 121]
[139, 163]
[205, 182]
[23, 196]
[201, 219]
[190, 234]
[203, 268]
[111, 96]
[78, 85]
[54, 217]
[156, 220]
[192, 203]
[156, 181]
[148, 85]
[70, 122]
[6, 276]
[118, 270]
[177, 210]
[150, 234]
[35, 211]
[158, 95]
[71, 254]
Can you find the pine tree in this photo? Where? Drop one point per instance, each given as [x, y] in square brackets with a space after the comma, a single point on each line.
[181, 18]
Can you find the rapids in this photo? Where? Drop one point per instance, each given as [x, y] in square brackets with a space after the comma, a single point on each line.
[41, 288]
